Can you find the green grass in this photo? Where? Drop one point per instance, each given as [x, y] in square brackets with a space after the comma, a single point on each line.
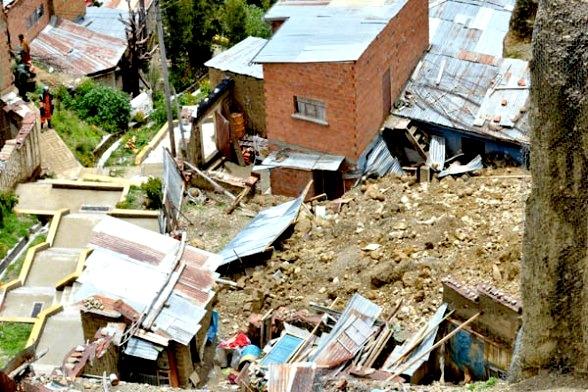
[15, 227]
[80, 137]
[132, 142]
[14, 268]
[135, 199]
[482, 385]
[13, 338]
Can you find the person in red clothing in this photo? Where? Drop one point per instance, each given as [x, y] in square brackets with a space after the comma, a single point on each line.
[25, 50]
[46, 103]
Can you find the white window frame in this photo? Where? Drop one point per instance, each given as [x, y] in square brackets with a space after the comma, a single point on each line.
[312, 110]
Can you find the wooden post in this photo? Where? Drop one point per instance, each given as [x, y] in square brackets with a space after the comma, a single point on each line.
[166, 88]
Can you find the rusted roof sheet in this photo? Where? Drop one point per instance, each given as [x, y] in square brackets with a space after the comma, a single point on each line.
[349, 334]
[76, 50]
[463, 82]
[137, 271]
[296, 377]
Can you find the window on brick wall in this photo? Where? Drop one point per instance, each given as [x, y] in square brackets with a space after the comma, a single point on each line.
[310, 109]
[35, 16]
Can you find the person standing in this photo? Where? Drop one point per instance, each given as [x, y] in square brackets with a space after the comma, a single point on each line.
[46, 107]
[25, 49]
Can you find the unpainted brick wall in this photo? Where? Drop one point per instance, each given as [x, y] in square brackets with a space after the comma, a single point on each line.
[69, 9]
[248, 95]
[353, 91]
[18, 14]
[5, 70]
[20, 156]
[397, 49]
[332, 83]
[290, 182]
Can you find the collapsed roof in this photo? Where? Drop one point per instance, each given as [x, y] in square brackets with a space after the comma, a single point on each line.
[463, 82]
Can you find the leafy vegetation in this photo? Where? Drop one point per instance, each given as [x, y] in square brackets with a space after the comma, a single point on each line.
[100, 105]
[191, 25]
[13, 338]
[241, 20]
[13, 269]
[79, 136]
[131, 143]
[154, 191]
[12, 227]
[149, 195]
[482, 385]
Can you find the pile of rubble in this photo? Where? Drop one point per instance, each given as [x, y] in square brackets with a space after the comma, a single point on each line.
[392, 239]
[471, 336]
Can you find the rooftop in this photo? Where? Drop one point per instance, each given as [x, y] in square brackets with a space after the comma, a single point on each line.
[326, 31]
[239, 58]
[146, 274]
[77, 50]
[463, 82]
[105, 21]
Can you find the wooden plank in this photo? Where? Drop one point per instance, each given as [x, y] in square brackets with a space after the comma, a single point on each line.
[415, 143]
[440, 342]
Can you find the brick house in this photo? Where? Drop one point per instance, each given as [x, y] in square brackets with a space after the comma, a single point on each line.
[29, 17]
[247, 93]
[331, 73]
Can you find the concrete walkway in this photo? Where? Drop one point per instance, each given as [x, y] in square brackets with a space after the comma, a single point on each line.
[56, 157]
[63, 331]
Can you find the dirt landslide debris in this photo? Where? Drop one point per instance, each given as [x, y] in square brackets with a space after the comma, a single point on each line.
[389, 239]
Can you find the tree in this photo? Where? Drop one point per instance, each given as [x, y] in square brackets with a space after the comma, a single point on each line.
[255, 25]
[235, 19]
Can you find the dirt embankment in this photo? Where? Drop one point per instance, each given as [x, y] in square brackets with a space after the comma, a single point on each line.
[392, 240]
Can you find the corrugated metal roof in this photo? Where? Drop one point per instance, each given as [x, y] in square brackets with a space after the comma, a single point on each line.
[463, 82]
[76, 50]
[296, 377]
[239, 58]
[456, 168]
[377, 160]
[349, 334]
[122, 272]
[303, 161]
[426, 344]
[105, 21]
[142, 349]
[262, 231]
[330, 32]
[436, 154]
[179, 319]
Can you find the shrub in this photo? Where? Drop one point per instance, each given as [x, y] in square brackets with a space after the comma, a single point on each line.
[154, 193]
[102, 106]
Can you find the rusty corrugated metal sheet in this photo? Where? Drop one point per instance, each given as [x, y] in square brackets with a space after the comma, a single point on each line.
[349, 334]
[128, 248]
[147, 260]
[296, 377]
[76, 50]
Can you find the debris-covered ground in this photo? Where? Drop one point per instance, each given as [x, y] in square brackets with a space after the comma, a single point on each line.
[388, 239]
